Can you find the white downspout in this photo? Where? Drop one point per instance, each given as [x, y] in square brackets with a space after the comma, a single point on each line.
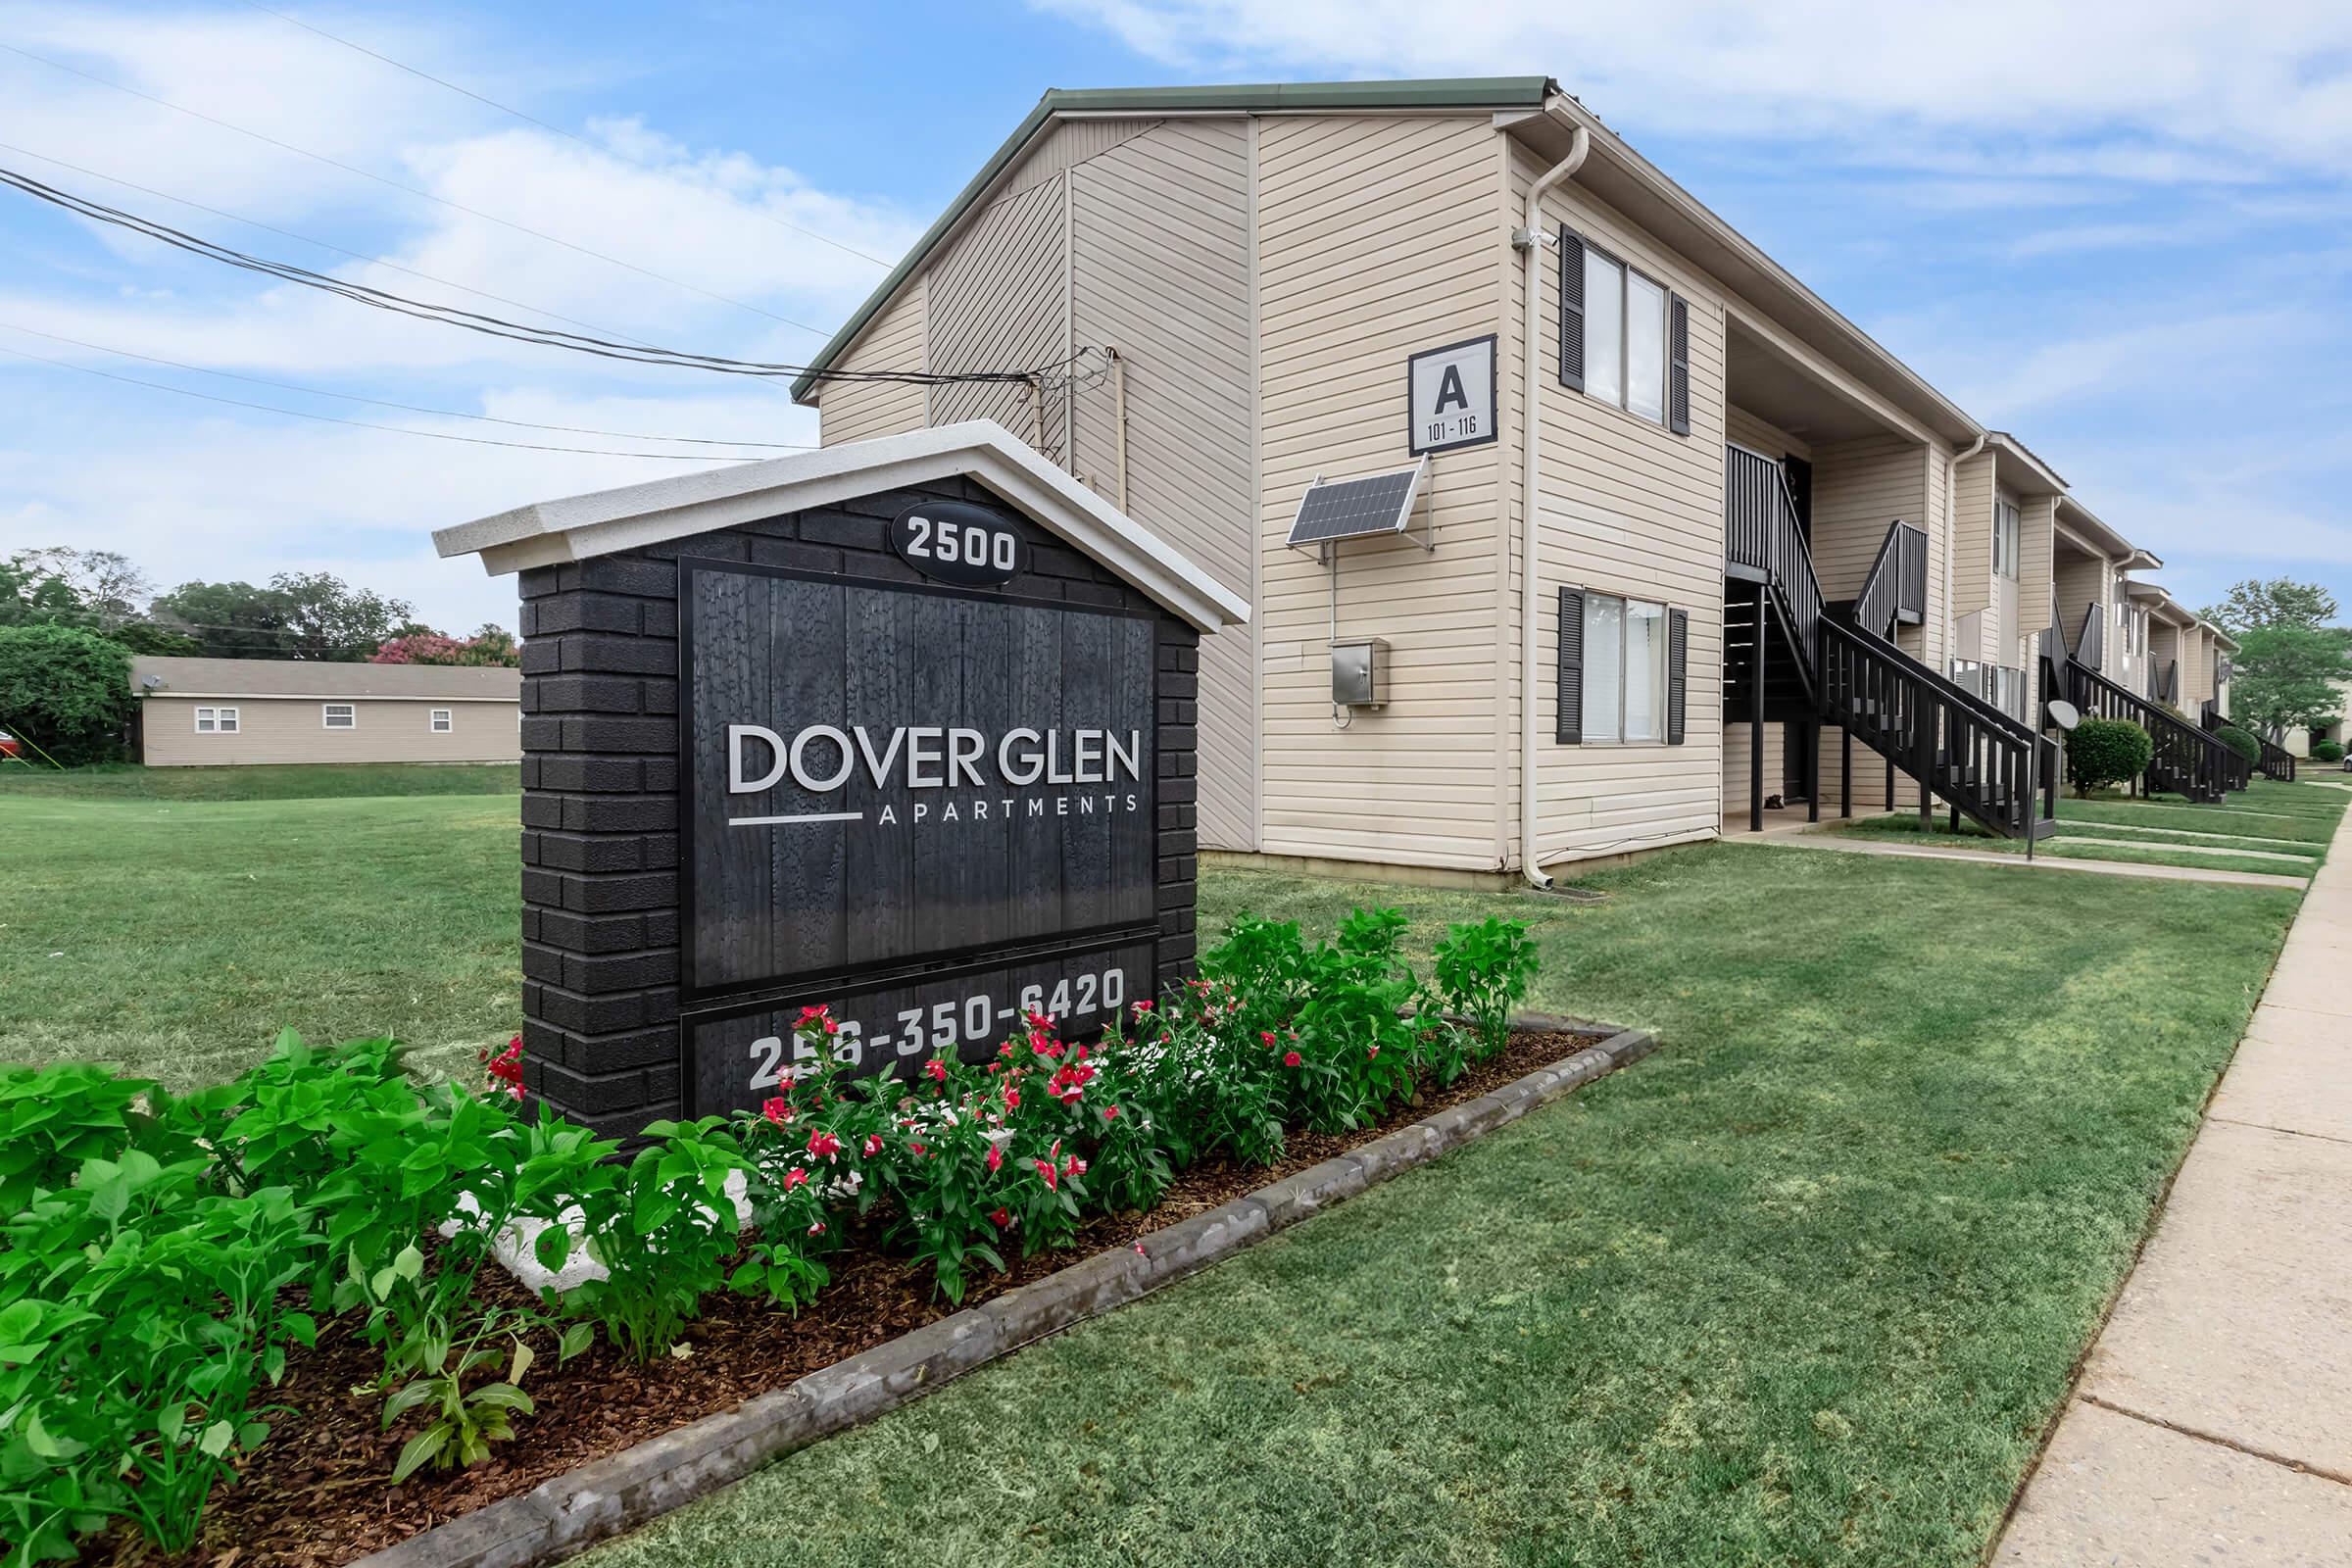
[1951, 538]
[1528, 242]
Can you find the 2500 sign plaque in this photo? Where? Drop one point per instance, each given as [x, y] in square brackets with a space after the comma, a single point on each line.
[741, 1055]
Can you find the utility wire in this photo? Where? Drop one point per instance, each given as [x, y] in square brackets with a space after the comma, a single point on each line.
[364, 425]
[324, 245]
[498, 327]
[557, 131]
[406, 408]
[354, 169]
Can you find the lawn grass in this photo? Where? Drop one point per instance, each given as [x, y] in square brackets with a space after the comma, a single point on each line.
[2191, 838]
[1805, 1287]
[128, 781]
[172, 939]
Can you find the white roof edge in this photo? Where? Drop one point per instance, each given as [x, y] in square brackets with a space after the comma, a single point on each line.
[577, 527]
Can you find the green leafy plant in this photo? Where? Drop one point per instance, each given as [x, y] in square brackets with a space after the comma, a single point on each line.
[64, 690]
[2105, 752]
[466, 1421]
[1482, 971]
[664, 1231]
[52, 1118]
[2238, 740]
[2327, 752]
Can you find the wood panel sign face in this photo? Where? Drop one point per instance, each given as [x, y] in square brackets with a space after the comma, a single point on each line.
[884, 781]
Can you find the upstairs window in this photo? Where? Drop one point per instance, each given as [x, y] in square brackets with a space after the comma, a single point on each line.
[1624, 338]
[2004, 540]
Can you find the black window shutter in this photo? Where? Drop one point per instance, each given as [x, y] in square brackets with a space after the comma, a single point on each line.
[1571, 724]
[1678, 677]
[1572, 309]
[1678, 368]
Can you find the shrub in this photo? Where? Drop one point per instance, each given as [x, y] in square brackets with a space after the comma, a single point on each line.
[2327, 752]
[2238, 740]
[64, 690]
[55, 1117]
[2104, 752]
[1482, 969]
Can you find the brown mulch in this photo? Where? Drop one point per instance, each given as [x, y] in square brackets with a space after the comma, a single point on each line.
[317, 1493]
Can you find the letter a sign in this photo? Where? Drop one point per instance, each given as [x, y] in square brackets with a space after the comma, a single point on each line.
[1453, 396]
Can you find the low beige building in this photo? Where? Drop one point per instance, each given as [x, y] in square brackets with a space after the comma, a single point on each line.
[225, 712]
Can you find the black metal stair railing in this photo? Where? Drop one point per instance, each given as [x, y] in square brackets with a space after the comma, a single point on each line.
[1896, 591]
[2276, 760]
[1971, 755]
[1762, 534]
[2188, 759]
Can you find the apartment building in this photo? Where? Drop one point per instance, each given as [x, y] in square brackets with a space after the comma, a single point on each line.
[1679, 537]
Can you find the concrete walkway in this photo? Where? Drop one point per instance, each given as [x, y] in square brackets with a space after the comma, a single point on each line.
[1814, 839]
[2212, 1424]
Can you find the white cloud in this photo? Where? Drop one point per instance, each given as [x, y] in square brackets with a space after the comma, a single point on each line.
[2268, 82]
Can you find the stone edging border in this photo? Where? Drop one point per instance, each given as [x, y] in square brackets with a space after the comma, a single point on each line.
[568, 1513]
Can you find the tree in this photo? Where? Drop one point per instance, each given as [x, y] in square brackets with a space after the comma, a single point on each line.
[2284, 677]
[492, 644]
[66, 690]
[97, 589]
[298, 616]
[2280, 602]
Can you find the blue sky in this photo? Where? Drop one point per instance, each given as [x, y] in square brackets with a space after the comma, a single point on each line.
[2119, 231]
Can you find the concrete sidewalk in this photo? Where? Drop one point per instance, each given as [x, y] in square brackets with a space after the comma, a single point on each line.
[2212, 1424]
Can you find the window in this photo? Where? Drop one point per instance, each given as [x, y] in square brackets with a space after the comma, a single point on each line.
[1625, 670]
[1620, 338]
[215, 722]
[340, 716]
[441, 723]
[2004, 540]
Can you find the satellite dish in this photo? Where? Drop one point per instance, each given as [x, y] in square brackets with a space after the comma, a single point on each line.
[2063, 715]
[152, 682]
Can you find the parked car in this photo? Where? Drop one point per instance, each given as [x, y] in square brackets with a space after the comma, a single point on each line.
[9, 746]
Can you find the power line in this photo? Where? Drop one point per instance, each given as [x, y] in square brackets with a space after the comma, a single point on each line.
[354, 169]
[498, 327]
[324, 245]
[557, 131]
[364, 425]
[408, 408]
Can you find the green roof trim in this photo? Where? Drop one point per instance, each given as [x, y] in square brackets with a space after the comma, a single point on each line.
[1446, 92]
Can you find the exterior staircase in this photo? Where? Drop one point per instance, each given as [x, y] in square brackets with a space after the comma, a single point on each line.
[2188, 760]
[1790, 656]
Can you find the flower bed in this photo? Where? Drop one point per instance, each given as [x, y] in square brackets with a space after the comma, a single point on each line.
[249, 1283]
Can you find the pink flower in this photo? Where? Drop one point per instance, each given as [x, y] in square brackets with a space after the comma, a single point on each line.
[1045, 1168]
[917, 1148]
[798, 1176]
[874, 1144]
[936, 1070]
[1139, 1247]
[824, 1146]
[1012, 1097]
[1111, 1113]
[817, 1229]
[1144, 1006]
[1267, 1035]
[777, 1110]
[820, 1015]
[1076, 1168]
[996, 1156]
[1371, 1050]
[1289, 1059]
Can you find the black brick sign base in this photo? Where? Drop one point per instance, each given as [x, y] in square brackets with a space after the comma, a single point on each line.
[604, 1035]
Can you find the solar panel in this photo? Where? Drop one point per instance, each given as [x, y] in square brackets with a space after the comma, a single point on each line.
[1351, 509]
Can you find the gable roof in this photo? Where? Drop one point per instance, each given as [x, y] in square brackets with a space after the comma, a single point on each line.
[168, 675]
[1493, 93]
[578, 527]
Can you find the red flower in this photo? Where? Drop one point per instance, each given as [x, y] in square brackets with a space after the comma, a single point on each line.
[936, 1070]
[1289, 1059]
[777, 1110]
[817, 1229]
[873, 1142]
[996, 1156]
[798, 1176]
[1144, 1006]
[824, 1146]
[820, 1015]
[917, 1148]
[1371, 1050]
[1110, 1112]
[1000, 1219]
[1012, 1097]
[1076, 1168]
[1045, 1168]
[1267, 1035]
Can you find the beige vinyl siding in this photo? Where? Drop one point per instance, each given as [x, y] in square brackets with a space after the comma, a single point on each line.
[1972, 590]
[1376, 237]
[2034, 525]
[1735, 752]
[1000, 300]
[1066, 146]
[2082, 582]
[1629, 508]
[1746, 429]
[854, 411]
[289, 729]
[1159, 256]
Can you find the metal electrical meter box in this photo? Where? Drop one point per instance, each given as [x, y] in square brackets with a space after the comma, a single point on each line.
[1359, 672]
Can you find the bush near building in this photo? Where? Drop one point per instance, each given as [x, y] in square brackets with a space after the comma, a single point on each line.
[2326, 750]
[64, 690]
[2238, 740]
[2105, 752]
